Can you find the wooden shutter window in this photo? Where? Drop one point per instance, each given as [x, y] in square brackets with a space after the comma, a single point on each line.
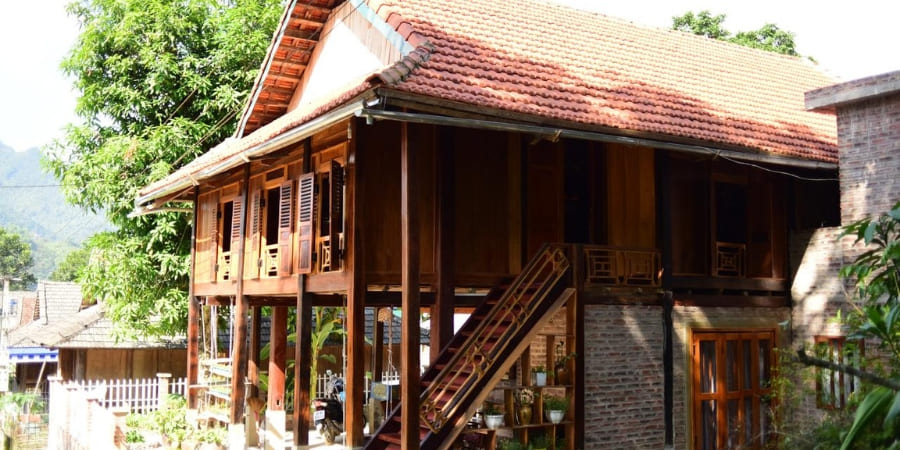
[213, 231]
[305, 206]
[285, 210]
[253, 262]
[337, 214]
[236, 213]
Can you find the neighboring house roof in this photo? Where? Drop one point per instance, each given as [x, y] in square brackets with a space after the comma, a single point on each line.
[550, 64]
[829, 97]
[64, 324]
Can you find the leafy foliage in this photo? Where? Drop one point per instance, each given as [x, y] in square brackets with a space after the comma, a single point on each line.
[15, 259]
[769, 37]
[160, 82]
[877, 275]
[72, 265]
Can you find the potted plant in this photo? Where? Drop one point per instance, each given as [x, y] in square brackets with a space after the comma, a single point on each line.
[561, 366]
[510, 444]
[540, 375]
[555, 407]
[539, 442]
[524, 399]
[493, 416]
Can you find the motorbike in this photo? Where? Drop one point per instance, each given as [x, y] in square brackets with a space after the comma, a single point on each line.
[329, 413]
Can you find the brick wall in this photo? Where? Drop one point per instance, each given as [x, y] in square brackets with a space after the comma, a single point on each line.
[869, 153]
[623, 402]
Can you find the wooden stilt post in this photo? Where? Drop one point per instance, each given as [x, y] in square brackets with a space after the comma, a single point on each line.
[409, 344]
[356, 302]
[193, 325]
[442, 312]
[303, 344]
[275, 418]
[239, 346]
[253, 364]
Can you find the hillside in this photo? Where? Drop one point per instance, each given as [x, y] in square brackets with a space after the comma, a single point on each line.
[32, 205]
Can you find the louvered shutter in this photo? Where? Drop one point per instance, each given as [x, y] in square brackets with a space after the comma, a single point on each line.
[213, 230]
[236, 216]
[305, 203]
[285, 209]
[337, 214]
[252, 262]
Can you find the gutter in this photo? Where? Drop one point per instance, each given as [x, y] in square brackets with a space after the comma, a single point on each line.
[556, 133]
[144, 203]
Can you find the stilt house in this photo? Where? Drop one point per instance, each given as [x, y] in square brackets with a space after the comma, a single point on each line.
[616, 199]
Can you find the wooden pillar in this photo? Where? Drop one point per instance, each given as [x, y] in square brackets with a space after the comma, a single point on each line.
[193, 325]
[303, 344]
[575, 327]
[377, 348]
[664, 215]
[442, 312]
[253, 364]
[239, 348]
[193, 350]
[356, 301]
[277, 357]
[409, 275]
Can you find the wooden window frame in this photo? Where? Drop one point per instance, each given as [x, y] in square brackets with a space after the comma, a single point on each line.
[841, 384]
[722, 395]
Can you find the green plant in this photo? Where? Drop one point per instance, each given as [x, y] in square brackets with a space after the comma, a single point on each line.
[556, 403]
[510, 444]
[539, 441]
[214, 435]
[134, 437]
[538, 369]
[491, 409]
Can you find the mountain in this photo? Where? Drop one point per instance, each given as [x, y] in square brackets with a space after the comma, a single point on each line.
[32, 205]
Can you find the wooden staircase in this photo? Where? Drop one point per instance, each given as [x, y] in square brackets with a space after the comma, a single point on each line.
[482, 351]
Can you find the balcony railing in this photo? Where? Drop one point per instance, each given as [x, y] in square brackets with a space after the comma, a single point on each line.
[612, 266]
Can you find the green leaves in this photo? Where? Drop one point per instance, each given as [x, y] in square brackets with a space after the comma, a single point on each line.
[15, 259]
[160, 83]
[769, 37]
[876, 272]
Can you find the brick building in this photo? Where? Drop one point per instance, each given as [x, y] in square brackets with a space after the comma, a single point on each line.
[867, 112]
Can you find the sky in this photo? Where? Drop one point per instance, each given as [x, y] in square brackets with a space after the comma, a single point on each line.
[849, 39]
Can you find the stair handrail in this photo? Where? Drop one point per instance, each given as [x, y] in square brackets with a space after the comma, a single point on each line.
[541, 274]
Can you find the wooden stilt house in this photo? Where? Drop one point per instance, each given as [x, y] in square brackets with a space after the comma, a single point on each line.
[614, 198]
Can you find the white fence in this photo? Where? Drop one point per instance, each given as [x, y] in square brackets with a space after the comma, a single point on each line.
[86, 415]
[387, 377]
[139, 396]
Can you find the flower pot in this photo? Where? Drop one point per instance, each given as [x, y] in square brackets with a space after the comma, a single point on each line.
[562, 375]
[493, 421]
[555, 416]
[540, 378]
[524, 414]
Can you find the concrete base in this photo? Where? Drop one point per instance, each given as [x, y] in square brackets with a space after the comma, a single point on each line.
[275, 430]
[236, 436]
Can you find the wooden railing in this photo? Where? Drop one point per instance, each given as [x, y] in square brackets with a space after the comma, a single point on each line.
[491, 338]
[730, 259]
[613, 266]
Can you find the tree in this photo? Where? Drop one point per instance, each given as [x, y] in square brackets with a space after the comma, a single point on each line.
[160, 82]
[876, 272]
[769, 37]
[15, 260]
[70, 268]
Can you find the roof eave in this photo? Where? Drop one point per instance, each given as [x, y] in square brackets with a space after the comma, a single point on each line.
[146, 203]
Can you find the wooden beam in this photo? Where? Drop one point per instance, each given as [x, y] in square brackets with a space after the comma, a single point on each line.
[253, 364]
[239, 347]
[277, 357]
[409, 271]
[356, 299]
[377, 348]
[442, 312]
[193, 325]
[303, 347]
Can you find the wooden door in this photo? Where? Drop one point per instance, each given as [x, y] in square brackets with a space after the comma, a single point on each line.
[732, 394]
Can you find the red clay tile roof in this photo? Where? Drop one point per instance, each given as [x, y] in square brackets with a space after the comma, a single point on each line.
[556, 62]
[553, 62]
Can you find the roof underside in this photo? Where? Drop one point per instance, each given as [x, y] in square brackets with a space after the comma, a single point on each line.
[549, 63]
[300, 31]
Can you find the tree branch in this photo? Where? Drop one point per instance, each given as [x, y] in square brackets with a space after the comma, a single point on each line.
[870, 377]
